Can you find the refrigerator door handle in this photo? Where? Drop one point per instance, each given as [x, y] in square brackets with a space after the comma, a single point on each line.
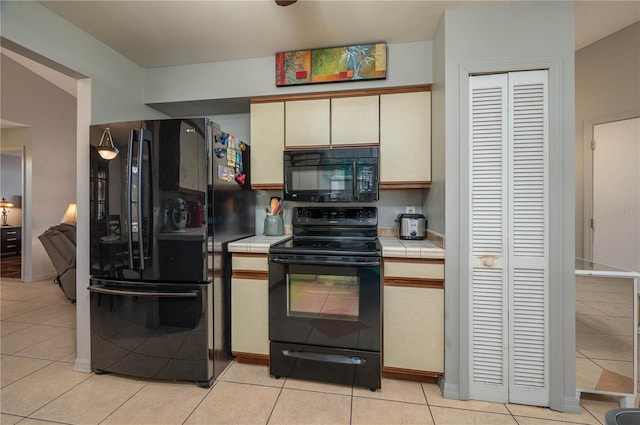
[129, 194]
[139, 200]
[101, 290]
[145, 138]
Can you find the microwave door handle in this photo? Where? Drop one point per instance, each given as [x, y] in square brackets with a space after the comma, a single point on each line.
[129, 194]
[354, 170]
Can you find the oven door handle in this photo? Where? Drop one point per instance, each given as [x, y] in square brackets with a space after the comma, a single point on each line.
[322, 357]
[328, 263]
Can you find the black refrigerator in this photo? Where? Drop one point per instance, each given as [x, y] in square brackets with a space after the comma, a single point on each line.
[162, 213]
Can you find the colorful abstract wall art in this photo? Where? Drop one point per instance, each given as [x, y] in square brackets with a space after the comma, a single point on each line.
[331, 65]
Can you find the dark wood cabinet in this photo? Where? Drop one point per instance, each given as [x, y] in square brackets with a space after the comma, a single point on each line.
[10, 240]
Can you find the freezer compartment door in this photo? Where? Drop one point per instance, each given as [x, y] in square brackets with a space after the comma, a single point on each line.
[161, 331]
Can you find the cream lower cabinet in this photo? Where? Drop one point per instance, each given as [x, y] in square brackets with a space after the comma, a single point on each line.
[413, 319]
[250, 308]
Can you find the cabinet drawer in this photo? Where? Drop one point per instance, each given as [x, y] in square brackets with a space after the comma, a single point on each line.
[10, 240]
[250, 262]
[414, 269]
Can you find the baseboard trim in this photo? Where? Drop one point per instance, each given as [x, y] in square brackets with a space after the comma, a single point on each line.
[82, 365]
[251, 358]
[449, 390]
[410, 374]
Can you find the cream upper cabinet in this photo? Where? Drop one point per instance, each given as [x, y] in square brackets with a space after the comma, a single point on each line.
[355, 120]
[405, 139]
[307, 123]
[267, 144]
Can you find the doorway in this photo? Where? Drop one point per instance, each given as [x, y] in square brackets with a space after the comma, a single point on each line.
[12, 193]
[615, 222]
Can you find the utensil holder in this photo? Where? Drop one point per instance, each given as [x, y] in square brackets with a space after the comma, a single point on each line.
[273, 225]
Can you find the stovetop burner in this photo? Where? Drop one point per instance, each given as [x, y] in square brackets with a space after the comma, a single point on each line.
[329, 247]
[332, 231]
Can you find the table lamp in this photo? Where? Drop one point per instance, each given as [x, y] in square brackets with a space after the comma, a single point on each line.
[4, 204]
[70, 215]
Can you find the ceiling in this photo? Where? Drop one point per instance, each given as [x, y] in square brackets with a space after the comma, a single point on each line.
[166, 33]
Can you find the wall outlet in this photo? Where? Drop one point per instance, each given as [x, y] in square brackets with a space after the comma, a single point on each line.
[410, 210]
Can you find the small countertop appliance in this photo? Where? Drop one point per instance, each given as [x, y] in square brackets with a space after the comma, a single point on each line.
[411, 226]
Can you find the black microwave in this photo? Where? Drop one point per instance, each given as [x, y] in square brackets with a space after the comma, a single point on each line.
[331, 175]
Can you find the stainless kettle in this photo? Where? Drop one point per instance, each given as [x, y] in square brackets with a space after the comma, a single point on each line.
[411, 226]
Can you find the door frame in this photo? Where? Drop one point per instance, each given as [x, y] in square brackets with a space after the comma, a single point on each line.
[587, 208]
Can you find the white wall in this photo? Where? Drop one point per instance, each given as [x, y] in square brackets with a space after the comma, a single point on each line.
[434, 206]
[117, 84]
[50, 151]
[607, 88]
[520, 35]
[408, 64]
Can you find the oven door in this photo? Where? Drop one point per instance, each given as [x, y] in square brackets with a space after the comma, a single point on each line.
[325, 302]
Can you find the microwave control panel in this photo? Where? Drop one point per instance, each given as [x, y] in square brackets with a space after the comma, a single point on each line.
[366, 179]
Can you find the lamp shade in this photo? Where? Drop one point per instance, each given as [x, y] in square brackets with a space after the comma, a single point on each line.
[6, 204]
[70, 215]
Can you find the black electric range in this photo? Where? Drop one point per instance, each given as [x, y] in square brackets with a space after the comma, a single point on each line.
[325, 291]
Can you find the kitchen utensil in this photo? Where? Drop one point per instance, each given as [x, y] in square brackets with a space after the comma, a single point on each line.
[273, 206]
[411, 226]
[263, 200]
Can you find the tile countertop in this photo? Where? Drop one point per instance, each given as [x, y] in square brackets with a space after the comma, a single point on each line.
[391, 246]
[256, 244]
[394, 247]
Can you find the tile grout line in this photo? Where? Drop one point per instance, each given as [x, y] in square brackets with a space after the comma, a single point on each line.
[56, 397]
[276, 402]
[215, 383]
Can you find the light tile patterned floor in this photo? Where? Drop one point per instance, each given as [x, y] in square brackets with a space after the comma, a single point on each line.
[605, 326]
[39, 386]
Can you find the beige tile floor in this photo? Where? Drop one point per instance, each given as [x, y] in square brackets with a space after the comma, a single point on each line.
[605, 327]
[39, 386]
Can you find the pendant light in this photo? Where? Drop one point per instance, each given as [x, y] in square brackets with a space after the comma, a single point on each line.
[106, 148]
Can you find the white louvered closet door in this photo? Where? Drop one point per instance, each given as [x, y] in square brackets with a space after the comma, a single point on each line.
[508, 238]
